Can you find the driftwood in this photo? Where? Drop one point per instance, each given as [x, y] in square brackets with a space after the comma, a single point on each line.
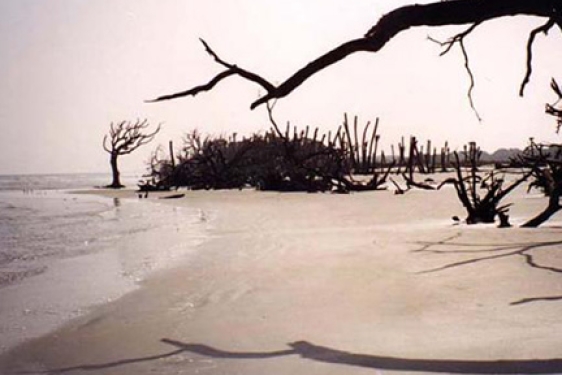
[545, 164]
[412, 158]
[482, 208]
[280, 160]
[173, 196]
[420, 185]
[399, 190]
[362, 154]
[147, 186]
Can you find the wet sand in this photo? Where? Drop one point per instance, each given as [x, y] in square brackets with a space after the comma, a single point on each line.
[297, 283]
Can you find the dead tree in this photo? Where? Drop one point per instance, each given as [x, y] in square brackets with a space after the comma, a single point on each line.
[343, 155]
[551, 109]
[218, 162]
[125, 137]
[545, 162]
[289, 160]
[401, 156]
[472, 13]
[424, 161]
[361, 153]
[309, 164]
[445, 157]
[481, 195]
[410, 183]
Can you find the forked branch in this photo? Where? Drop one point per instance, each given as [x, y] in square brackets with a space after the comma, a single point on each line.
[442, 13]
[231, 71]
[126, 136]
[459, 39]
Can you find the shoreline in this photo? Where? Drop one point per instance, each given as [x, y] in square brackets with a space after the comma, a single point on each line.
[285, 279]
[94, 270]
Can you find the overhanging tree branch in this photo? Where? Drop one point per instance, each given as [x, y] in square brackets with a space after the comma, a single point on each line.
[453, 12]
[471, 77]
[231, 71]
[533, 34]
[196, 90]
[241, 72]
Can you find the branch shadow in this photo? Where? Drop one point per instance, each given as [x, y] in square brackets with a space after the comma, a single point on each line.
[202, 350]
[504, 250]
[324, 354]
[328, 355]
[108, 365]
[494, 251]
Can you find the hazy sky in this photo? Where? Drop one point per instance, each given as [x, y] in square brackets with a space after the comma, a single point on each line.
[69, 68]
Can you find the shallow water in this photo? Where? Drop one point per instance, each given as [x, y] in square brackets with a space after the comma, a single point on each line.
[60, 254]
[40, 182]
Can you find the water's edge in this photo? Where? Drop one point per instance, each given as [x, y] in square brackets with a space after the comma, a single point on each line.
[98, 250]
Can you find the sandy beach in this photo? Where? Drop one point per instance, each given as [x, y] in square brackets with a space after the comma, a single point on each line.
[296, 283]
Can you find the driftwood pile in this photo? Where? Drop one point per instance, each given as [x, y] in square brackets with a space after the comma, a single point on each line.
[288, 160]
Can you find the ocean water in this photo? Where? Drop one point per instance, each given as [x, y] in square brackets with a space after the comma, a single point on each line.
[63, 181]
[62, 253]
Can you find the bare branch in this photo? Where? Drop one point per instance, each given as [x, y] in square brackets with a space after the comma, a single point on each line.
[556, 88]
[272, 120]
[459, 38]
[139, 140]
[241, 72]
[453, 12]
[541, 29]
[458, 12]
[127, 136]
[196, 90]
[471, 77]
[313, 67]
[105, 147]
[232, 70]
[551, 108]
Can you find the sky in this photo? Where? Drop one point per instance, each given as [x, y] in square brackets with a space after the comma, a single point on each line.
[69, 68]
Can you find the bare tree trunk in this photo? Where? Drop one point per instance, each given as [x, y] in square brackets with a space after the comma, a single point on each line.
[552, 208]
[172, 158]
[116, 184]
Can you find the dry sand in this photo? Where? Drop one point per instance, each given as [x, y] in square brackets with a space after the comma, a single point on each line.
[366, 283]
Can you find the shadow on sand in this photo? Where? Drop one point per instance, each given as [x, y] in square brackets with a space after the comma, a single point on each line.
[484, 252]
[324, 354]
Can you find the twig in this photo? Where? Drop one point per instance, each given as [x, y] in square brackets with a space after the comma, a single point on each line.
[459, 38]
